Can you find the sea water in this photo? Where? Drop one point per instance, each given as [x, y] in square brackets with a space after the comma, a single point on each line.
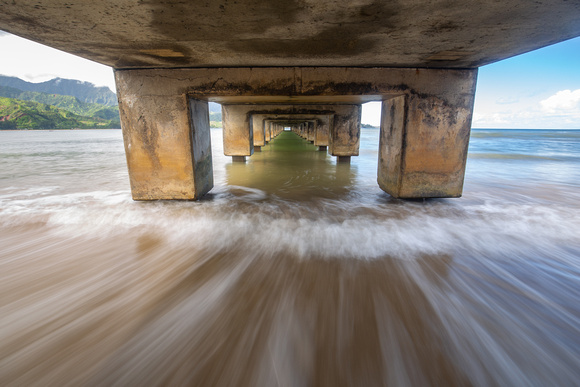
[294, 270]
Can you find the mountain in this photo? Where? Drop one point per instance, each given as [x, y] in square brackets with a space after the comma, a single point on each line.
[84, 91]
[18, 114]
[66, 102]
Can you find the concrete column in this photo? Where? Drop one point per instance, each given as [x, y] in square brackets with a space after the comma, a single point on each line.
[311, 131]
[324, 123]
[423, 141]
[345, 131]
[268, 131]
[238, 137]
[258, 130]
[424, 133]
[167, 141]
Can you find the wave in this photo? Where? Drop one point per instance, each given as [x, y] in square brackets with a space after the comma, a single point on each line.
[323, 228]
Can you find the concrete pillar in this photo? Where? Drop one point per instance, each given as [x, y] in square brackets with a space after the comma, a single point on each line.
[345, 131]
[423, 141]
[311, 131]
[167, 142]
[258, 130]
[322, 137]
[268, 131]
[238, 137]
[424, 133]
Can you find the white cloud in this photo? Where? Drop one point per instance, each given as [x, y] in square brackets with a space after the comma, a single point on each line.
[35, 62]
[371, 113]
[563, 102]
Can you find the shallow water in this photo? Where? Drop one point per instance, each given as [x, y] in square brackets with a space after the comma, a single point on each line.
[294, 270]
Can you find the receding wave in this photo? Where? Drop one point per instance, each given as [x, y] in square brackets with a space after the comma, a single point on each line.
[263, 283]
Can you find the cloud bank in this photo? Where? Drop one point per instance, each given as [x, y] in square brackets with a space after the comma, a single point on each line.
[564, 101]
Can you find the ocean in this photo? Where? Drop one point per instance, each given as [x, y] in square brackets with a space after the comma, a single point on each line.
[294, 270]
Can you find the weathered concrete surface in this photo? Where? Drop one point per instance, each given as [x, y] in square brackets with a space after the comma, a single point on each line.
[238, 135]
[289, 85]
[167, 144]
[268, 130]
[321, 125]
[339, 125]
[430, 160]
[260, 132]
[395, 33]
[345, 131]
[424, 140]
[243, 128]
[344, 139]
[311, 130]
[324, 124]
[391, 145]
[201, 143]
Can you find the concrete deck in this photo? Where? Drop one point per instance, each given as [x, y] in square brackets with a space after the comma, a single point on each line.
[278, 33]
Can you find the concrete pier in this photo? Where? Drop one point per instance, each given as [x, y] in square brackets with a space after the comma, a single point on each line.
[423, 143]
[168, 154]
[418, 57]
[323, 125]
[259, 130]
[238, 135]
[243, 125]
[424, 130]
[345, 132]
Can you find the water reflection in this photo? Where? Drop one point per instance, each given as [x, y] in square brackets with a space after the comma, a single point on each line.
[292, 168]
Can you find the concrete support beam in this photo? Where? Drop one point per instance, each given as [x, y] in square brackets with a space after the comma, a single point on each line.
[322, 117]
[423, 141]
[424, 133]
[167, 142]
[236, 117]
[167, 145]
[238, 136]
[311, 131]
[345, 132]
[267, 131]
[258, 130]
[322, 137]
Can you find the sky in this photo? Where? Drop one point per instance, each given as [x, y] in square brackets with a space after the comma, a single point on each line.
[537, 90]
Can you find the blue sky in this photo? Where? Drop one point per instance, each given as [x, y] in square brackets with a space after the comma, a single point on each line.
[537, 90]
[540, 89]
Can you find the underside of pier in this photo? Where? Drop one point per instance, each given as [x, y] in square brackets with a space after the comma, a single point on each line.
[308, 64]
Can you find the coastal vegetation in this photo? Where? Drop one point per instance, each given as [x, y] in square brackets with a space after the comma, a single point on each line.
[41, 106]
[215, 117]
[64, 104]
[20, 114]
[84, 91]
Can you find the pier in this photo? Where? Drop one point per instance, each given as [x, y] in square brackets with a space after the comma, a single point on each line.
[305, 64]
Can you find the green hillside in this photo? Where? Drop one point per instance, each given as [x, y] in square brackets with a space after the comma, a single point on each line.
[66, 102]
[19, 114]
[215, 118]
[84, 91]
